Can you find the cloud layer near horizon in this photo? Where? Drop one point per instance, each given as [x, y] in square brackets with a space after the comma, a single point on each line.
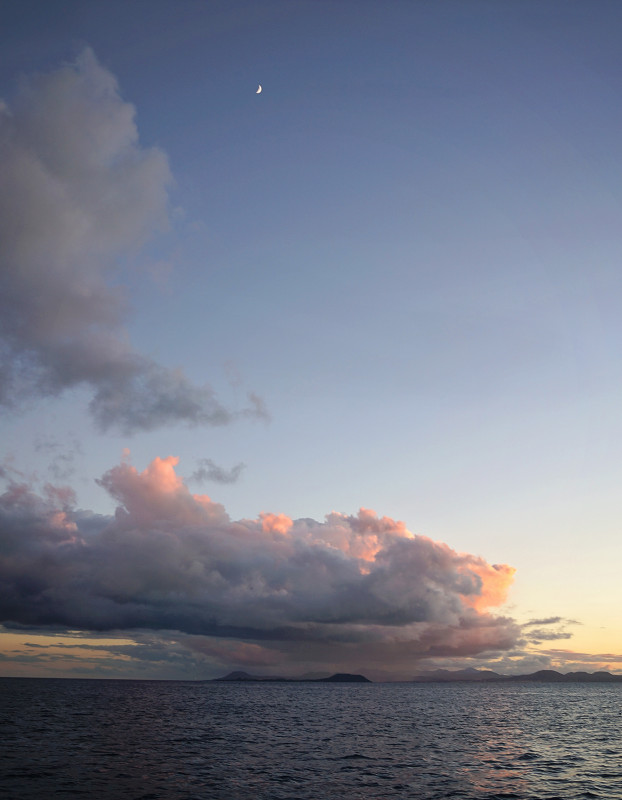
[172, 560]
[78, 193]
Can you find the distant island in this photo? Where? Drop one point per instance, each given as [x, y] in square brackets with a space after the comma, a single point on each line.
[338, 677]
[544, 675]
[469, 675]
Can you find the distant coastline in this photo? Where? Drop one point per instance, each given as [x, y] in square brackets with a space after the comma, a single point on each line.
[488, 676]
[438, 676]
[338, 677]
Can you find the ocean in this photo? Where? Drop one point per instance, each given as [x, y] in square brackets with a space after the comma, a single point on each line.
[145, 740]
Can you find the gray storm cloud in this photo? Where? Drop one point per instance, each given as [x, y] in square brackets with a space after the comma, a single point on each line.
[77, 193]
[171, 560]
[209, 471]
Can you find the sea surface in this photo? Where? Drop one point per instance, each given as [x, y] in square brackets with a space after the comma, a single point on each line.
[158, 739]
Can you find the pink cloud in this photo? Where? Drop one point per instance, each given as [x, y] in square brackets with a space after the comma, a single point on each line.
[172, 560]
[275, 523]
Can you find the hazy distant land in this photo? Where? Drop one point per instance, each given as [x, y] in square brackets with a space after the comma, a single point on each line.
[546, 675]
[338, 677]
[442, 676]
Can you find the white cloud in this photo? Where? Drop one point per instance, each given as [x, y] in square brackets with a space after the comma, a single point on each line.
[79, 192]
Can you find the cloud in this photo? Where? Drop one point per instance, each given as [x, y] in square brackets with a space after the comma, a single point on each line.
[541, 634]
[352, 587]
[556, 629]
[209, 471]
[79, 195]
[576, 660]
[62, 464]
[146, 654]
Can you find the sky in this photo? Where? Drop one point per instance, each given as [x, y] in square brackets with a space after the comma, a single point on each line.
[322, 378]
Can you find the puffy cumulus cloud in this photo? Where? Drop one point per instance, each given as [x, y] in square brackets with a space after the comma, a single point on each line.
[275, 523]
[78, 194]
[350, 589]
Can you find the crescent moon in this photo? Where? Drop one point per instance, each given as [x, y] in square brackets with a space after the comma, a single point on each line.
[258, 89]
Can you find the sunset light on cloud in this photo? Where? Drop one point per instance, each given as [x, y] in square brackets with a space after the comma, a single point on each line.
[171, 560]
[376, 309]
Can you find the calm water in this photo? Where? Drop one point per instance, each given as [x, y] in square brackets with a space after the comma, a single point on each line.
[126, 739]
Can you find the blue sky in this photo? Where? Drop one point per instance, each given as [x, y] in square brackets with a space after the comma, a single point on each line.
[407, 246]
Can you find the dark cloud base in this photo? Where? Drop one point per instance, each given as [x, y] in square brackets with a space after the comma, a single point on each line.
[350, 588]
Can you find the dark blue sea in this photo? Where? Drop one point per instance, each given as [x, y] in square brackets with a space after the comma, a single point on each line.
[174, 740]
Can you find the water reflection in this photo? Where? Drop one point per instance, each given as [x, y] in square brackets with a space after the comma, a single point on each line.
[174, 740]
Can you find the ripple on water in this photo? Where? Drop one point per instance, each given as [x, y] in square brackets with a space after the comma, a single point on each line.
[174, 740]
